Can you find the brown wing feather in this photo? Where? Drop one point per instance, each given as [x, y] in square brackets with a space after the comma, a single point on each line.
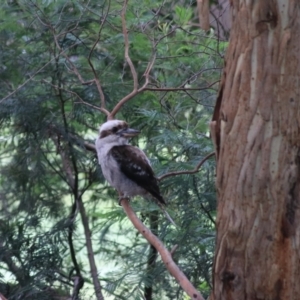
[134, 164]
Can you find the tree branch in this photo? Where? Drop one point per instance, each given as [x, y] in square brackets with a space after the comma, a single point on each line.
[164, 253]
[102, 109]
[152, 256]
[195, 170]
[71, 164]
[136, 90]
[97, 81]
[126, 42]
[89, 246]
[172, 89]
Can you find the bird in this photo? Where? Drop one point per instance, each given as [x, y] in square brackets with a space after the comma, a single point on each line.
[126, 167]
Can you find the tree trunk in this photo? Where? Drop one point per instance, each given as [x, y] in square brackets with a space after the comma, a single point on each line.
[257, 136]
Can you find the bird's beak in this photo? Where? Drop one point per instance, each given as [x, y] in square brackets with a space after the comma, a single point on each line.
[128, 132]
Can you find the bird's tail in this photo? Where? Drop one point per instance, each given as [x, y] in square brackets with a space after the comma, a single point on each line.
[166, 214]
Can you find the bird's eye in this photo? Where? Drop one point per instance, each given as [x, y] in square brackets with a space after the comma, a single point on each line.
[115, 129]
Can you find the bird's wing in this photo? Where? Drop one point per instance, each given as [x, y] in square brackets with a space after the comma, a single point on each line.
[135, 165]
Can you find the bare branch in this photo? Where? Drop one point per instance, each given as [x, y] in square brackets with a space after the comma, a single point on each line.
[195, 170]
[77, 73]
[164, 253]
[177, 89]
[97, 81]
[81, 101]
[72, 165]
[173, 249]
[29, 79]
[89, 246]
[126, 42]
[134, 92]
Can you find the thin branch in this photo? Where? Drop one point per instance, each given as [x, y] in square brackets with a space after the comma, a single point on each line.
[164, 253]
[126, 42]
[77, 73]
[207, 212]
[7, 258]
[89, 246]
[136, 90]
[177, 89]
[195, 170]
[29, 79]
[97, 81]
[71, 161]
[106, 112]
[152, 256]
[71, 171]
[77, 279]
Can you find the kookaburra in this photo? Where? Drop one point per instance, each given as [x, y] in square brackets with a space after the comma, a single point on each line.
[124, 166]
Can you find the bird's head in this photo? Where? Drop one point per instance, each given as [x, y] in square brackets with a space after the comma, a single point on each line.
[117, 129]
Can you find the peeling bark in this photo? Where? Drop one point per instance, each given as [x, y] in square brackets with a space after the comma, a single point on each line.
[258, 149]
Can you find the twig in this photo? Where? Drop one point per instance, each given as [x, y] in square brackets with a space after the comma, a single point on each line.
[195, 170]
[207, 212]
[136, 90]
[152, 256]
[77, 73]
[71, 172]
[126, 42]
[177, 89]
[72, 163]
[102, 109]
[89, 246]
[173, 249]
[97, 81]
[77, 279]
[164, 253]
[29, 79]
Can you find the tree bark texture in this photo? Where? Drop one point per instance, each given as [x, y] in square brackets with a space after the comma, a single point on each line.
[257, 136]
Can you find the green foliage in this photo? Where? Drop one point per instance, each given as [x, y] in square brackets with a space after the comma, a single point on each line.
[47, 117]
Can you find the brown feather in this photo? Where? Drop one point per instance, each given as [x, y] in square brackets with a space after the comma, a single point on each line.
[135, 165]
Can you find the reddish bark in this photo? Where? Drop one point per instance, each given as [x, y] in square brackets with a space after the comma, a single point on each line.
[257, 132]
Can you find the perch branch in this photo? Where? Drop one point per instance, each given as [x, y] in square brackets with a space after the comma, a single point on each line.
[195, 170]
[164, 253]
